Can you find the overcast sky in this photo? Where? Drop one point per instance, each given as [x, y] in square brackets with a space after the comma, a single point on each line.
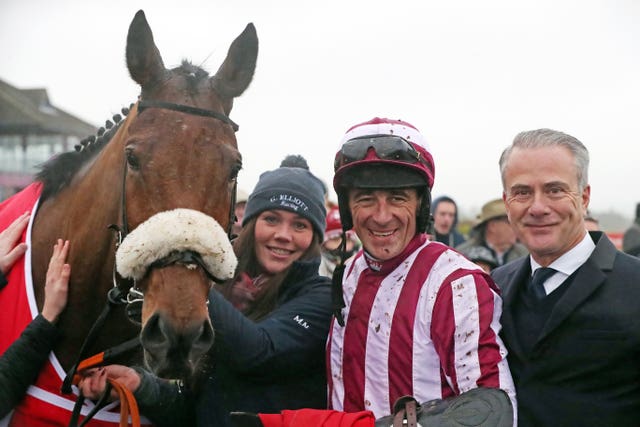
[469, 74]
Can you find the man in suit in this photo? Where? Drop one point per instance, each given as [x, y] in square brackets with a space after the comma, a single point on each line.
[574, 344]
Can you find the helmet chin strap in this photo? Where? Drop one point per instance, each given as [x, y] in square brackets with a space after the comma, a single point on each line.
[424, 220]
[337, 297]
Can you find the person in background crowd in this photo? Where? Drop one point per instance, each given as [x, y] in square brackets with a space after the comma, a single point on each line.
[412, 316]
[21, 362]
[445, 221]
[330, 248]
[482, 256]
[570, 320]
[271, 328]
[494, 233]
[241, 203]
[591, 223]
[631, 238]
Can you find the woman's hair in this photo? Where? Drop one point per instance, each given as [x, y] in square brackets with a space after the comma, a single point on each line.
[266, 298]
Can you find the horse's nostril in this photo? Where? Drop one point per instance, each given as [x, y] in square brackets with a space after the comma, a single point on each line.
[202, 343]
[205, 339]
[154, 334]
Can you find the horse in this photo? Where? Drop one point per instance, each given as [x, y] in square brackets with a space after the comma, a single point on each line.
[174, 151]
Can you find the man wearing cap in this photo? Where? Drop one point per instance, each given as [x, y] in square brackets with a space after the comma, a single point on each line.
[418, 319]
[494, 233]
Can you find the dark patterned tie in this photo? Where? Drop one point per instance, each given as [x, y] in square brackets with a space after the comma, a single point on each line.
[537, 282]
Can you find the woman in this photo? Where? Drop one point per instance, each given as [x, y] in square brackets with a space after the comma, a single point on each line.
[272, 326]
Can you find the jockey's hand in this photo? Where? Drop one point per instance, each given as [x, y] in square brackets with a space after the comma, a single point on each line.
[10, 249]
[57, 285]
[94, 381]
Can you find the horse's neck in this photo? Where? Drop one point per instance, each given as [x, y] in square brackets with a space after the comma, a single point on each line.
[81, 214]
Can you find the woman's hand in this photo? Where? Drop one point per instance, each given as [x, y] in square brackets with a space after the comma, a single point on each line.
[94, 381]
[56, 287]
[9, 250]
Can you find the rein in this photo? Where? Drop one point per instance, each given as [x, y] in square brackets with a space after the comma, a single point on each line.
[134, 296]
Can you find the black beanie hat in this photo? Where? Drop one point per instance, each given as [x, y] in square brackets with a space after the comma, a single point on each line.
[292, 189]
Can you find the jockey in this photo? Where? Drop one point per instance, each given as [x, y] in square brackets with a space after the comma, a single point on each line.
[412, 316]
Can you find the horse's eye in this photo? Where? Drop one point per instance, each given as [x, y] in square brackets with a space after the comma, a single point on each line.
[234, 172]
[132, 160]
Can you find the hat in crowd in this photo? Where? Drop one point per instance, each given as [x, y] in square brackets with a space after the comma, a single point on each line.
[334, 225]
[292, 189]
[491, 210]
[294, 161]
[480, 254]
[241, 195]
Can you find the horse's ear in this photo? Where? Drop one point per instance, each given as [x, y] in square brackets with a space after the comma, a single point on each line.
[236, 72]
[143, 58]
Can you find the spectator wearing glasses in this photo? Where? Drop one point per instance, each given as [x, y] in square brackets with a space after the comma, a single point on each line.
[494, 233]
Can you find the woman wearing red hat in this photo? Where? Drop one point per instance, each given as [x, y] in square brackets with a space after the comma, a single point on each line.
[330, 248]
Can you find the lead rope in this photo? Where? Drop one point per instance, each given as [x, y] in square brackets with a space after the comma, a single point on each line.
[114, 297]
[128, 406]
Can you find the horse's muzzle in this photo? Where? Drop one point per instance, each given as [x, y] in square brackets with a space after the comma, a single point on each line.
[174, 354]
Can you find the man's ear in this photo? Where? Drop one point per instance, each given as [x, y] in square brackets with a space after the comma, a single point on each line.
[586, 197]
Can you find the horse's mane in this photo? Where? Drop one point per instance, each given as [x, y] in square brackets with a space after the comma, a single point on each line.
[56, 173]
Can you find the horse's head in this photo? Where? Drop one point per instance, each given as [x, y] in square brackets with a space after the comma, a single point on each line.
[172, 257]
[180, 152]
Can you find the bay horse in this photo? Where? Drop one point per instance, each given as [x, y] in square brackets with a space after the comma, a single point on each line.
[175, 150]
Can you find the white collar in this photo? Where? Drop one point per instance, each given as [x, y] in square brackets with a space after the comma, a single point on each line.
[569, 262]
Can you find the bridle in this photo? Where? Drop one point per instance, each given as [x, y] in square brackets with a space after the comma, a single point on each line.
[134, 295]
[130, 294]
[195, 111]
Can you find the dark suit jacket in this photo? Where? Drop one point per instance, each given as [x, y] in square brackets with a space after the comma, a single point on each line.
[584, 369]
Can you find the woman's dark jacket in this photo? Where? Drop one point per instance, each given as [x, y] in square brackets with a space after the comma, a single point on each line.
[266, 366]
[21, 363]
